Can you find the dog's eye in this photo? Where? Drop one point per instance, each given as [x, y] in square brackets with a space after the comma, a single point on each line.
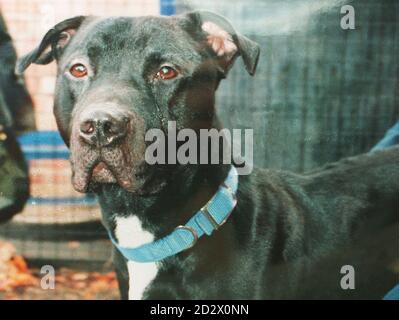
[78, 70]
[166, 73]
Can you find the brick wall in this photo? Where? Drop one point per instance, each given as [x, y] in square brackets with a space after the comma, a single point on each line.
[29, 20]
[53, 201]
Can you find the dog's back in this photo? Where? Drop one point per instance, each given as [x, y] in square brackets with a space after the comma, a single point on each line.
[346, 213]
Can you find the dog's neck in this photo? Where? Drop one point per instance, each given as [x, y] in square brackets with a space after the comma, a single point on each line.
[187, 188]
[185, 193]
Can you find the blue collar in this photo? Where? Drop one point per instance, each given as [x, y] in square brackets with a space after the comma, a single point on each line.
[208, 219]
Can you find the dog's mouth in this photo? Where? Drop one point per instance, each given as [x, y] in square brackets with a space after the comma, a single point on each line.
[122, 164]
[92, 168]
[102, 172]
[135, 180]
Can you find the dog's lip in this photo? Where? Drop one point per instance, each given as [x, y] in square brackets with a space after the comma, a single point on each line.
[136, 184]
[96, 168]
[103, 165]
[81, 183]
[99, 167]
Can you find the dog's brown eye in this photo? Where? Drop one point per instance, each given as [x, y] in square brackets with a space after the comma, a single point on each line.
[166, 73]
[78, 70]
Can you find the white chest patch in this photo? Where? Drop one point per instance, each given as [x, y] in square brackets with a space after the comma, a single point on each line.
[129, 233]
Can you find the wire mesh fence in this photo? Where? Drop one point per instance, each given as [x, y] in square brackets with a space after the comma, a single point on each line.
[320, 93]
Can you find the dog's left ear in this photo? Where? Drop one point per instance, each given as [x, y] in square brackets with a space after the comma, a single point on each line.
[223, 40]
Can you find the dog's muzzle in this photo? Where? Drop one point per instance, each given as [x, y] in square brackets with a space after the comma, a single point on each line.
[106, 147]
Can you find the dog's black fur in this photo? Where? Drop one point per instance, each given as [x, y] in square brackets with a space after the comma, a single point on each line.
[16, 99]
[289, 234]
[16, 116]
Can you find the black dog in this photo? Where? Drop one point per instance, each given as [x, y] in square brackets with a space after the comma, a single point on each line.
[288, 235]
[14, 181]
[15, 96]
[16, 116]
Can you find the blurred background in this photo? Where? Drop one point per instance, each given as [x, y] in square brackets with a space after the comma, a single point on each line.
[320, 93]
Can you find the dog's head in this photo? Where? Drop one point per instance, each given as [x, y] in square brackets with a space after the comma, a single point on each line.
[118, 77]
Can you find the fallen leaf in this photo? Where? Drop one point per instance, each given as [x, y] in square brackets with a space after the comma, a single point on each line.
[19, 263]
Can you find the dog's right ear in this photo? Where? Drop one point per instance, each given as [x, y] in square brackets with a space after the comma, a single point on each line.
[52, 44]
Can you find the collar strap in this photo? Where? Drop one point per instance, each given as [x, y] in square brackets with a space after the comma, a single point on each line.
[208, 219]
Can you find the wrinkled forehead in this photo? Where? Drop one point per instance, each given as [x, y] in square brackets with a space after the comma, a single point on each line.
[135, 40]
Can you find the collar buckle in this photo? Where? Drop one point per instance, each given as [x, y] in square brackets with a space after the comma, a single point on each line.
[214, 223]
[211, 219]
[192, 231]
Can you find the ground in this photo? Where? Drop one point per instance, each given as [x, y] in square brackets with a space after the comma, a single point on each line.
[19, 282]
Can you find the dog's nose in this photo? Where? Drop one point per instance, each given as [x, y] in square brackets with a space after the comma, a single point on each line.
[102, 129]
